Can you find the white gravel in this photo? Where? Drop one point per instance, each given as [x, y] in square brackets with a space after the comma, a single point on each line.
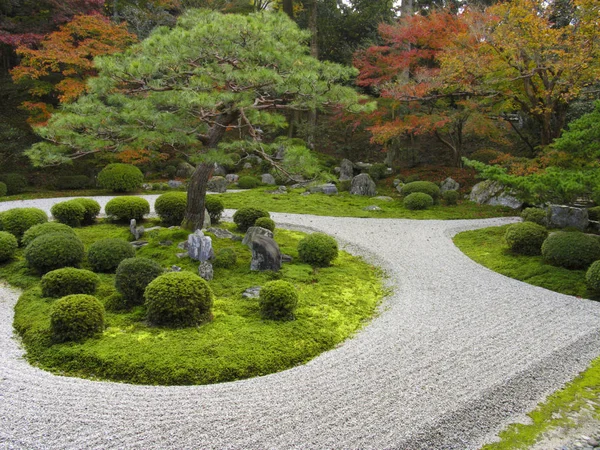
[456, 353]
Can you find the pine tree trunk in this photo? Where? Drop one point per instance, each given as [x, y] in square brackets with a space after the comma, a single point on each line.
[196, 192]
[288, 8]
[314, 52]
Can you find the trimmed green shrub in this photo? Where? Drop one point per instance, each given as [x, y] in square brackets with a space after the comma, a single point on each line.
[45, 228]
[485, 155]
[170, 207]
[417, 200]
[278, 300]
[68, 281]
[18, 220]
[225, 258]
[424, 187]
[70, 213]
[127, 208]
[105, 255]
[248, 182]
[245, 217]
[53, 251]
[3, 189]
[120, 178]
[8, 246]
[344, 186]
[450, 197]
[133, 275]
[535, 215]
[317, 249]
[265, 222]
[73, 182]
[115, 302]
[378, 171]
[592, 278]
[91, 207]
[76, 317]
[571, 250]
[526, 238]
[178, 299]
[214, 206]
[594, 213]
[15, 183]
[412, 178]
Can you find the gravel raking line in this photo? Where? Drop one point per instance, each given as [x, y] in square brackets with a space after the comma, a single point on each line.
[455, 354]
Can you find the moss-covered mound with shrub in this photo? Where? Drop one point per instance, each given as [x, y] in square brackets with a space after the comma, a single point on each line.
[594, 213]
[124, 209]
[133, 276]
[178, 299]
[54, 251]
[18, 220]
[417, 201]
[68, 281]
[535, 215]
[120, 178]
[76, 317]
[105, 255]
[265, 222]
[91, 209]
[318, 249]
[215, 207]
[225, 258]
[378, 171]
[571, 250]
[8, 246]
[592, 278]
[278, 300]
[424, 187]
[450, 197]
[248, 182]
[15, 182]
[3, 189]
[170, 207]
[526, 238]
[45, 228]
[244, 218]
[70, 212]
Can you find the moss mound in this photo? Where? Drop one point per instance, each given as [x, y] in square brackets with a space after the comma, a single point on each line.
[132, 277]
[120, 178]
[45, 228]
[526, 238]
[54, 251]
[68, 281]
[318, 249]
[244, 218]
[105, 255]
[126, 208]
[76, 317]
[571, 250]
[418, 201]
[278, 300]
[8, 246]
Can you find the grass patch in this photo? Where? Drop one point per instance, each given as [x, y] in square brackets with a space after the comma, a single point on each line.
[334, 302]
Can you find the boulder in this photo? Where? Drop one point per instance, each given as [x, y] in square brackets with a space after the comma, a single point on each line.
[147, 186]
[232, 177]
[200, 246]
[252, 292]
[252, 232]
[363, 185]
[364, 167]
[280, 153]
[449, 185]
[396, 182]
[399, 187]
[184, 170]
[205, 270]
[328, 188]
[138, 244]
[383, 198]
[207, 222]
[136, 231]
[219, 170]
[221, 233]
[267, 178]
[280, 190]
[265, 254]
[567, 216]
[174, 184]
[493, 193]
[217, 184]
[247, 165]
[372, 208]
[346, 170]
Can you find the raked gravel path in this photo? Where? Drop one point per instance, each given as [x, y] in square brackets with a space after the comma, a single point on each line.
[456, 353]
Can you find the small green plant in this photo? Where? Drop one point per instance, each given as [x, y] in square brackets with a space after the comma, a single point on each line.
[278, 300]
[170, 207]
[526, 238]
[18, 220]
[424, 187]
[8, 246]
[378, 171]
[54, 251]
[318, 249]
[91, 207]
[3, 189]
[120, 178]
[115, 302]
[73, 182]
[214, 206]
[68, 281]
[450, 197]
[15, 183]
[571, 250]
[344, 186]
[535, 215]
[417, 201]
[178, 299]
[105, 255]
[592, 278]
[225, 258]
[265, 222]
[244, 218]
[45, 228]
[70, 212]
[132, 277]
[594, 213]
[412, 178]
[76, 317]
[248, 182]
[126, 208]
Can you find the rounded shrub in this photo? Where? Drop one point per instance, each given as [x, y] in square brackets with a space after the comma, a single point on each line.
[45, 228]
[70, 213]
[278, 300]
[571, 250]
[53, 251]
[526, 238]
[73, 182]
[378, 171]
[248, 182]
[214, 206]
[105, 255]
[225, 258]
[127, 208]
[67, 281]
[91, 207]
[535, 215]
[115, 302]
[317, 249]
[592, 278]
[3, 189]
[15, 182]
[76, 317]
[8, 246]
[170, 207]
[412, 178]
[424, 187]
[120, 178]
[133, 275]
[178, 299]
[265, 222]
[450, 197]
[417, 200]
[245, 217]
[594, 213]
[18, 220]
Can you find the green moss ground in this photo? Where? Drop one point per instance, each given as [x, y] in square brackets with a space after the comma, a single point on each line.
[334, 303]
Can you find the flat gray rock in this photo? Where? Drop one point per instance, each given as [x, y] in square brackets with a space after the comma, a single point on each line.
[566, 216]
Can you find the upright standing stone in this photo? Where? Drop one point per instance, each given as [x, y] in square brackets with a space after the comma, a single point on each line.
[205, 270]
[567, 216]
[217, 184]
[252, 232]
[200, 246]
[267, 178]
[363, 185]
[346, 170]
[265, 254]
[449, 185]
[232, 177]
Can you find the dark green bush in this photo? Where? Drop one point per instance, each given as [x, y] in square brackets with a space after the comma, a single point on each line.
[594, 213]
[54, 251]
[248, 182]
[3, 189]
[412, 178]
[245, 217]
[278, 300]
[378, 171]
[170, 207]
[344, 186]
[127, 208]
[115, 303]
[70, 213]
[18, 220]
[317, 249]
[592, 278]
[265, 222]
[424, 187]
[120, 178]
[572, 250]
[76, 317]
[418, 200]
[450, 197]
[8, 246]
[73, 182]
[225, 258]
[15, 183]
[178, 299]
[68, 281]
[526, 238]
[535, 215]
[214, 206]
[105, 255]
[45, 228]
[485, 156]
[170, 171]
[91, 207]
[133, 275]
